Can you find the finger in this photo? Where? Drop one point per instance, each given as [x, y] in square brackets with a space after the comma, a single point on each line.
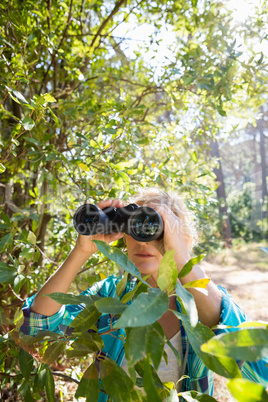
[115, 236]
[163, 210]
[117, 203]
[104, 204]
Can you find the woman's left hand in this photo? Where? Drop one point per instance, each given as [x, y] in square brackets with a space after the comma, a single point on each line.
[175, 237]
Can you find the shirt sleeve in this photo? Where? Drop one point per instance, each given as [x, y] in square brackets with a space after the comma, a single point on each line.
[59, 322]
[232, 315]
[35, 322]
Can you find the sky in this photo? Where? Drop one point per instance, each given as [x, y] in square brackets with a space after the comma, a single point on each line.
[139, 35]
[160, 55]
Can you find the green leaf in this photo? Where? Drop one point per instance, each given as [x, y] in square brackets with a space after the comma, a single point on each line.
[246, 391]
[6, 219]
[173, 396]
[135, 346]
[50, 386]
[110, 305]
[5, 242]
[168, 272]
[246, 344]
[139, 367]
[4, 339]
[45, 335]
[89, 385]
[124, 176]
[194, 156]
[145, 341]
[53, 351]
[121, 285]
[92, 341]
[26, 363]
[78, 350]
[189, 265]
[155, 344]
[7, 273]
[18, 282]
[188, 79]
[28, 395]
[221, 111]
[188, 302]
[49, 98]
[200, 283]
[126, 164]
[148, 383]
[16, 95]
[175, 351]
[117, 256]
[200, 334]
[130, 295]
[54, 117]
[31, 238]
[88, 316]
[115, 381]
[191, 396]
[42, 375]
[3, 319]
[2, 168]
[251, 324]
[110, 130]
[15, 142]
[145, 309]
[28, 123]
[67, 298]
[27, 253]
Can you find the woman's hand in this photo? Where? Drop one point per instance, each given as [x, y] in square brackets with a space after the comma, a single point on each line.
[61, 280]
[175, 237]
[85, 245]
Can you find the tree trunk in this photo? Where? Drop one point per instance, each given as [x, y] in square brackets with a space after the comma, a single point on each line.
[256, 168]
[221, 195]
[263, 163]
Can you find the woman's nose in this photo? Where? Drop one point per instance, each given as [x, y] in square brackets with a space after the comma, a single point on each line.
[142, 243]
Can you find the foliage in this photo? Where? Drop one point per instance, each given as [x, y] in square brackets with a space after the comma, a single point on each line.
[144, 345]
[247, 213]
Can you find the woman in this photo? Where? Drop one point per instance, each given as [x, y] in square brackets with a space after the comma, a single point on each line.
[214, 307]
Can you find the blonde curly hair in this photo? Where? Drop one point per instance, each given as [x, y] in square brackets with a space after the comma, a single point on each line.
[177, 205]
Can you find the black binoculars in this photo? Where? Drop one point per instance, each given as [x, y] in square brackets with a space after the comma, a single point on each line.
[142, 223]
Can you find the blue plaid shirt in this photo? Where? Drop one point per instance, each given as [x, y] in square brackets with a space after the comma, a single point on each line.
[200, 378]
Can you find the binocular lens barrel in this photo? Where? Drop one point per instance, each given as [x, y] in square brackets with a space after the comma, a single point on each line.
[145, 224]
[142, 223]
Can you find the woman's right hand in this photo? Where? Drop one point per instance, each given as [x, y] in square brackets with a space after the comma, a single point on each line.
[85, 245]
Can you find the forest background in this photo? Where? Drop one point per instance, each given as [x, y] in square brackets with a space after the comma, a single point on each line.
[89, 111]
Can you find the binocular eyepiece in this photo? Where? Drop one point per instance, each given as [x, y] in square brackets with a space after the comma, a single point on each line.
[142, 223]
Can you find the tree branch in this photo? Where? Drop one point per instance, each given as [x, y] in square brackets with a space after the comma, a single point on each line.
[15, 294]
[101, 28]
[49, 12]
[66, 377]
[105, 36]
[56, 51]
[92, 266]
[105, 22]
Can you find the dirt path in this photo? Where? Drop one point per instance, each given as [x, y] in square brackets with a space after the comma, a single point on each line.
[244, 273]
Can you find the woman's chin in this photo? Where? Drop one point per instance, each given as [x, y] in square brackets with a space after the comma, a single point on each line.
[147, 268]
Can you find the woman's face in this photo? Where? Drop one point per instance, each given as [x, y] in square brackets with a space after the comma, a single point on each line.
[145, 256]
